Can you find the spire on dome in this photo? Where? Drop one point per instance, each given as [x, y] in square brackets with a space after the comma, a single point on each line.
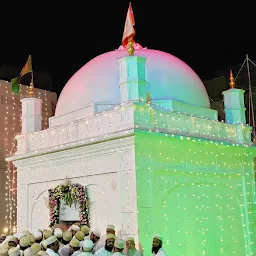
[129, 31]
[231, 80]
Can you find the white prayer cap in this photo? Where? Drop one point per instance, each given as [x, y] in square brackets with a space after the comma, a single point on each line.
[16, 235]
[87, 245]
[129, 239]
[96, 232]
[83, 254]
[38, 235]
[44, 244]
[75, 227]
[14, 251]
[159, 237]
[51, 240]
[119, 243]
[12, 239]
[112, 227]
[58, 232]
[21, 235]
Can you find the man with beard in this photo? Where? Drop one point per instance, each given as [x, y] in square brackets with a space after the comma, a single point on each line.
[130, 248]
[107, 250]
[157, 246]
[94, 236]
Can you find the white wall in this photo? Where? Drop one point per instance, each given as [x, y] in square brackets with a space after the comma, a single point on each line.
[107, 169]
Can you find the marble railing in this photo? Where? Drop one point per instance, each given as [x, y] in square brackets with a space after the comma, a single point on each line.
[121, 119]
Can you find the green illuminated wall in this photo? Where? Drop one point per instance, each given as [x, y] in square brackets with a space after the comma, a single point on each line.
[198, 194]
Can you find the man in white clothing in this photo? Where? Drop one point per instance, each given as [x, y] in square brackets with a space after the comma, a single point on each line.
[94, 236]
[107, 250]
[157, 246]
[130, 248]
[52, 246]
[118, 247]
[101, 243]
[87, 248]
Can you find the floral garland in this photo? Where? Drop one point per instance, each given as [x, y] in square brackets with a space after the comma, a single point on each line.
[71, 194]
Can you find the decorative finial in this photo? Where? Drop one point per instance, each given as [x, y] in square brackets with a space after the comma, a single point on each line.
[31, 92]
[231, 80]
[130, 48]
[148, 98]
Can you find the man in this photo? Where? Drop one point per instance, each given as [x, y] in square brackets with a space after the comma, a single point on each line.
[66, 238]
[87, 247]
[52, 246]
[109, 230]
[47, 234]
[14, 251]
[79, 236]
[2, 238]
[157, 246]
[12, 241]
[38, 236]
[74, 228]
[74, 247]
[118, 247]
[108, 248]
[130, 248]
[95, 238]
[86, 230]
[58, 233]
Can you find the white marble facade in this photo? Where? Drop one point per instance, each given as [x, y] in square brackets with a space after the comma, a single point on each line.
[106, 169]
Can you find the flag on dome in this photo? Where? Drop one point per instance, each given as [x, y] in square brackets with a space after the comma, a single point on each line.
[129, 30]
[26, 69]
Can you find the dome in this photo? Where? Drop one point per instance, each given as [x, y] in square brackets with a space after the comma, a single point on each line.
[97, 81]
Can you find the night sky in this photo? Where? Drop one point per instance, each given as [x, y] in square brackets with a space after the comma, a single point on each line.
[62, 38]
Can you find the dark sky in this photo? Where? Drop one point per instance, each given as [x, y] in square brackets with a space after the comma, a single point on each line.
[63, 37]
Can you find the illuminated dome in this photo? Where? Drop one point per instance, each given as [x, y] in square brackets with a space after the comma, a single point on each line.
[97, 81]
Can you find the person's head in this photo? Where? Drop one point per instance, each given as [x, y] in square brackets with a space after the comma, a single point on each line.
[14, 251]
[52, 243]
[74, 246]
[47, 234]
[157, 243]
[79, 235]
[74, 229]
[2, 238]
[12, 241]
[119, 245]
[87, 245]
[110, 229]
[110, 240]
[130, 244]
[38, 236]
[66, 237]
[58, 233]
[24, 243]
[95, 236]
[85, 229]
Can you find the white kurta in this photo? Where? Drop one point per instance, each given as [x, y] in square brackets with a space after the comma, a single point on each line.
[103, 252]
[161, 252]
[51, 252]
[117, 254]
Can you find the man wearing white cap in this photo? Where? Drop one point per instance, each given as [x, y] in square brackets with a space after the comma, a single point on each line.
[74, 228]
[95, 238]
[52, 246]
[58, 233]
[107, 250]
[109, 230]
[118, 247]
[87, 248]
[130, 247]
[157, 246]
[38, 236]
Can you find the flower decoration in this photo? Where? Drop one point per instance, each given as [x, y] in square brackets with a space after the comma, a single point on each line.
[70, 194]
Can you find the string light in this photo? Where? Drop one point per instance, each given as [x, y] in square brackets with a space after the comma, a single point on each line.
[12, 126]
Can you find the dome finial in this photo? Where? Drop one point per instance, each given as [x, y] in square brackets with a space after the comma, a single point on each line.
[129, 31]
[231, 80]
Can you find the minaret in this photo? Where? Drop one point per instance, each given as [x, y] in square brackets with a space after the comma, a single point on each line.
[31, 112]
[234, 103]
[133, 85]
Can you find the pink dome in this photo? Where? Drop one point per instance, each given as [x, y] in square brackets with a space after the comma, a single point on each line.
[97, 81]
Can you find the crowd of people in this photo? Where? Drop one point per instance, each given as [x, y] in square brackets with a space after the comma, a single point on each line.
[75, 241]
